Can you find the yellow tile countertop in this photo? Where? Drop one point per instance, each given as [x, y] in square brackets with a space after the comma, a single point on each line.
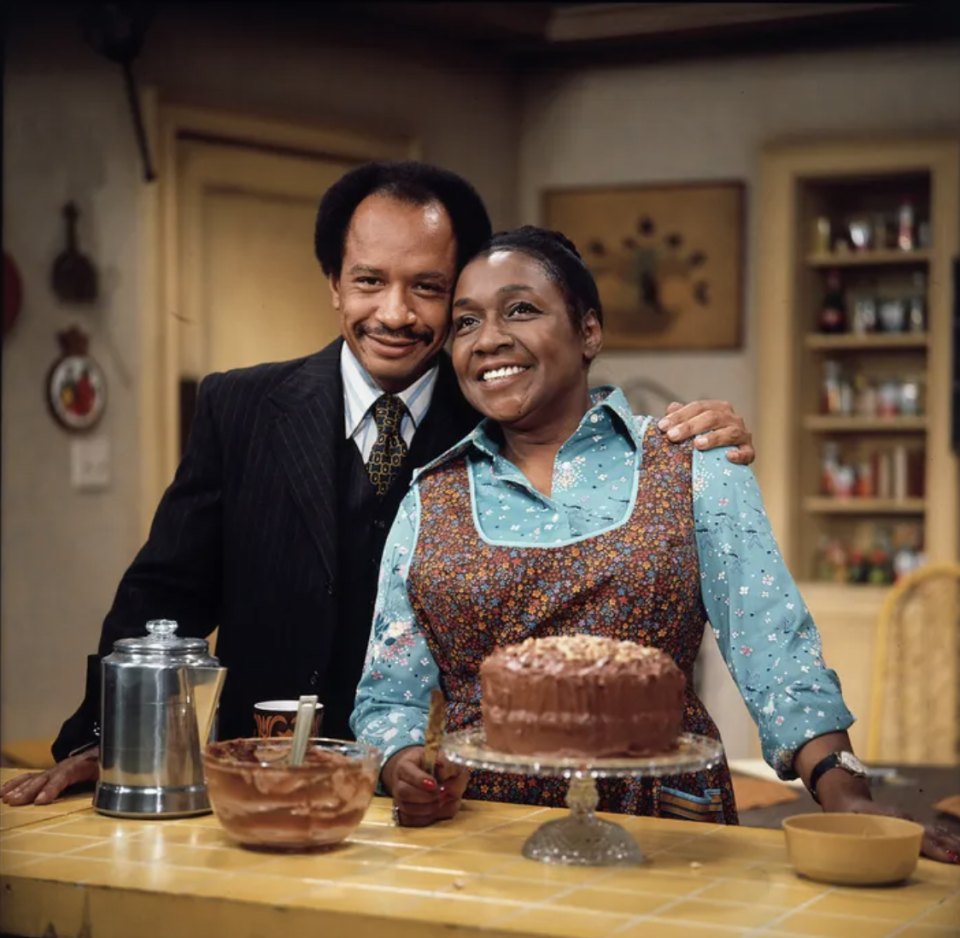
[77, 873]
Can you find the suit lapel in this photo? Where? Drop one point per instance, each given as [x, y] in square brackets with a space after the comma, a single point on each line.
[305, 441]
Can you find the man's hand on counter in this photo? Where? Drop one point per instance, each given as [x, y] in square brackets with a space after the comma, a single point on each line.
[45, 787]
[420, 798]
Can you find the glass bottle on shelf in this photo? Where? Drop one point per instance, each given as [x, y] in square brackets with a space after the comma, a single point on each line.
[905, 226]
[821, 235]
[829, 467]
[833, 313]
[865, 396]
[864, 314]
[917, 305]
[830, 401]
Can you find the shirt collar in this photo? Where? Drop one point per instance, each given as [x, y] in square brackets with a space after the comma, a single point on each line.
[605, 398]
[360, 392]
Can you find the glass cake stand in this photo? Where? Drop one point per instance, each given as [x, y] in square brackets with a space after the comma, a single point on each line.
[581, 838]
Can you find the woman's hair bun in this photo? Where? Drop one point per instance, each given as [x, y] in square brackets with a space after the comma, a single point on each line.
[566, 242]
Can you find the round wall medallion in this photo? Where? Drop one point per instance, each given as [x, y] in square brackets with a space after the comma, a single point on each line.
[76, 387]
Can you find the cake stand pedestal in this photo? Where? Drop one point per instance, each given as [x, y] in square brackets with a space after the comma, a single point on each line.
[581, 838]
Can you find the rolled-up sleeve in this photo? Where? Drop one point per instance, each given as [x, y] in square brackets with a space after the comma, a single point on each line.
[393, 696]
[765, 631]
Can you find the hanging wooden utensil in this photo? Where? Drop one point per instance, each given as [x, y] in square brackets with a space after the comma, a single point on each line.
[74, 278]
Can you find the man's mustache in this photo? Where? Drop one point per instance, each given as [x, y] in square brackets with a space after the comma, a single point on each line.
[406, 334]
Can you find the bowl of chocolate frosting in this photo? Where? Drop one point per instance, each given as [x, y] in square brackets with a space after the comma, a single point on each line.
[263, 801]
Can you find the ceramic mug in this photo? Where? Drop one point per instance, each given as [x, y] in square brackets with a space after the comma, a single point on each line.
[279, 717]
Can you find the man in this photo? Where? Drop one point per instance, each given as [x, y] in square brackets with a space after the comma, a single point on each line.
[275, 521]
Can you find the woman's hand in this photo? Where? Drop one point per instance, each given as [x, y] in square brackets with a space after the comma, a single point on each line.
[44, 787]
[938, 842]
[838, 791]
[420, 798]
[713, 423]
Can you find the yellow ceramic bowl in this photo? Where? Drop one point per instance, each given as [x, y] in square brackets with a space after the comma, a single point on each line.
[853, 849]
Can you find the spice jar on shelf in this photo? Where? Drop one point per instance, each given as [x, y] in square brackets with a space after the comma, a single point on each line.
[888, 399]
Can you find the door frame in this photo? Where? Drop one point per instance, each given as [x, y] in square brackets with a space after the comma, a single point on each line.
[160, 367]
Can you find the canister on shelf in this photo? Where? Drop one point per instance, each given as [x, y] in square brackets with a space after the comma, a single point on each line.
[910, 397]
[861, 233]
[888, 399]
[821, 235]
[893, 314]
[845, 482]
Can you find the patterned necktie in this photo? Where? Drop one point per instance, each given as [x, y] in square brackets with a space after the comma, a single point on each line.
[389, 450]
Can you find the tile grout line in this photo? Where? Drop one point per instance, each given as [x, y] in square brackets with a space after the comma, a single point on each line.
[633, 920]
[917, 919]
[769, 926]
[691, 895]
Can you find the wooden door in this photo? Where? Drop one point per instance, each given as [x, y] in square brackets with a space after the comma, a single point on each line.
[231, 278]
[251, 289]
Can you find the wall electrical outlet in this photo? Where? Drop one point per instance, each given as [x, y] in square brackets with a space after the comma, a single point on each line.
[90, 464]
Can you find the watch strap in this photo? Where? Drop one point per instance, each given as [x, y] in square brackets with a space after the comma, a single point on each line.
[832, 761]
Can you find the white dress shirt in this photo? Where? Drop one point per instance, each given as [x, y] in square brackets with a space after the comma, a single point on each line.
[360, 393]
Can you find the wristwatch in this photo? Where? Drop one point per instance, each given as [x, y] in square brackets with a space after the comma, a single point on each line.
[836, 760]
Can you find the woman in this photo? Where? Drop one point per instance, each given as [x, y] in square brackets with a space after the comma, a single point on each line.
[563, 513]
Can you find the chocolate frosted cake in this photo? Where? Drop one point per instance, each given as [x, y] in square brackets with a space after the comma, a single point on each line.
[578, 695]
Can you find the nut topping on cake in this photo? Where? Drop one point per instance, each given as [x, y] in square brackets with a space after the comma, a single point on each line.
[581, 695]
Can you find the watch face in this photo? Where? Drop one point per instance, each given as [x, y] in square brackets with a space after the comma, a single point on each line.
[851, 763]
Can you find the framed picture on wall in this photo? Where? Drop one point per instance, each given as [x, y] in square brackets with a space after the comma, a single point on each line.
[668, 260]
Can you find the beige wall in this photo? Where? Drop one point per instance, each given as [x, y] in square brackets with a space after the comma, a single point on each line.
[708, 121]
[67, 134]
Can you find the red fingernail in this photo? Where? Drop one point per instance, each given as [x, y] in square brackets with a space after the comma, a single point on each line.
[430, 784]
[953, 857]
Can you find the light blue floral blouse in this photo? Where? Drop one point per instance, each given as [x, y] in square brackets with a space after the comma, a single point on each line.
[765, 632]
